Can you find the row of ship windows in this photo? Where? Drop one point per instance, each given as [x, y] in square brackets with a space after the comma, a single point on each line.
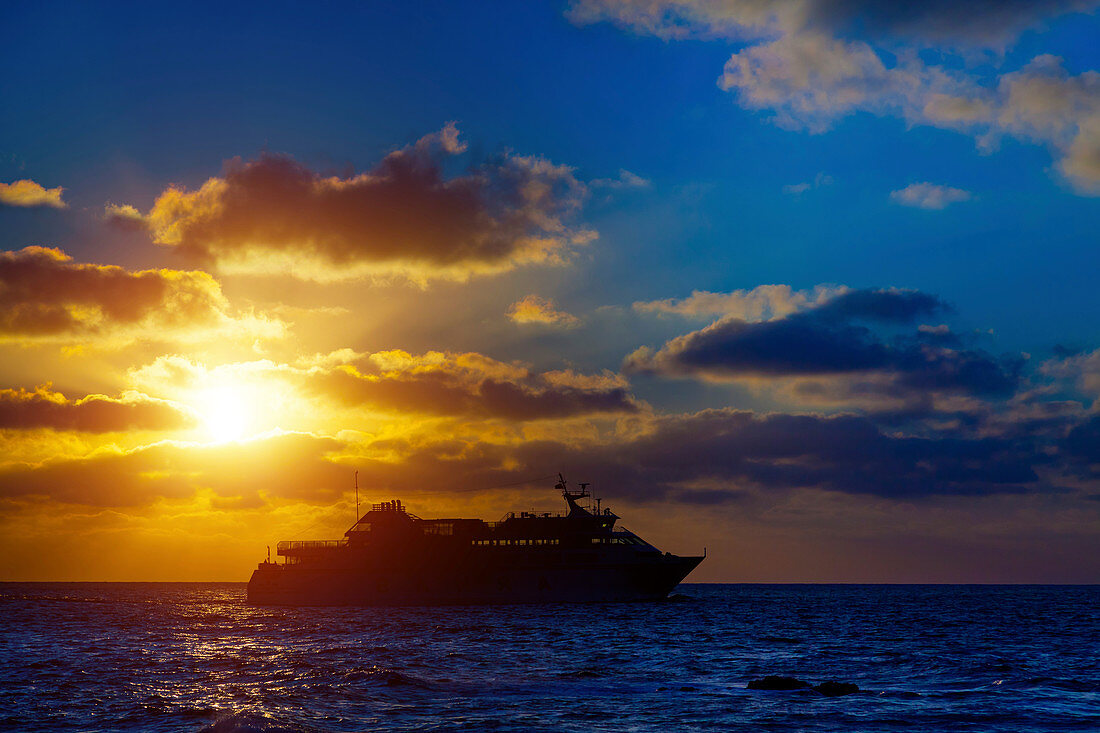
[595, 541]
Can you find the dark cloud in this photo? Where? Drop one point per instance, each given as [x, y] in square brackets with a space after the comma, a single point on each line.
[708, 457]
[787, 346]
[833, 339]
[990, 23]
[469, 385]
[887, 306]
[981, 23]
[721, 453]
[43, 292]
[1082, 445]
[403, 216]
[22, 409]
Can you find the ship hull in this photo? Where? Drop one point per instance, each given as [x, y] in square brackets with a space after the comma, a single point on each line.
[470, 581]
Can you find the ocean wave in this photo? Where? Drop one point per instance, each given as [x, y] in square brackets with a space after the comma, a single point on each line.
[250, 722]
[385, 676]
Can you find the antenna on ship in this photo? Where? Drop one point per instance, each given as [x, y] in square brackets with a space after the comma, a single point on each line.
[357, 497]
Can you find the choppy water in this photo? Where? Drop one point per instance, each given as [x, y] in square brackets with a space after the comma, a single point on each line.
[192, 657]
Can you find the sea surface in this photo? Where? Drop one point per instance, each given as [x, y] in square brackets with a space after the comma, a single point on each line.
[195, 657]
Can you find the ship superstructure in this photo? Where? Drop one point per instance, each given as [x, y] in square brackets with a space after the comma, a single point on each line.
[391, 557]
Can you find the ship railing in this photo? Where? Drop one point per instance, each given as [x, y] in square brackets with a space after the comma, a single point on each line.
[293, 547]
[524, 515]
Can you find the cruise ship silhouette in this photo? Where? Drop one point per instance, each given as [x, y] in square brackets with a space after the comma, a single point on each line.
[391, 557]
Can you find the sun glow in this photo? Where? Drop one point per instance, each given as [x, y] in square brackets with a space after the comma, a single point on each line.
[226, 414]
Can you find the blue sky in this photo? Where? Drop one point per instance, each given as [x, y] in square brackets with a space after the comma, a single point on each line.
[934, 149]
[124, 99]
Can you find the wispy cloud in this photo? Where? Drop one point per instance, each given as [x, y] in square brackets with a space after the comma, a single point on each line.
[762, 303]
[926, 195]
[124, 216]
[821, 179]
[626, 179]
[536, 309]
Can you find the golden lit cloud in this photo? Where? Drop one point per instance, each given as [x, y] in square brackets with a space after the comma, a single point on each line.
[22, 409]
[273, 467]
[241, 399]
[470, 385]
[536, 309]
[404, 217]
[28, 193]
[124, 216]
[231, 401]
[45, 295]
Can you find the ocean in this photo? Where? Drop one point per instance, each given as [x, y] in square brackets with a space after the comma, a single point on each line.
[194, 657]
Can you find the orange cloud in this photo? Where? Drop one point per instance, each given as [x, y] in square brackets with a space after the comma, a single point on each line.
[28, 193]
[535, 309]
[43, 293]
[274, 215]
[470, 385]
[279, 466]
[447, 384]
[22, 409]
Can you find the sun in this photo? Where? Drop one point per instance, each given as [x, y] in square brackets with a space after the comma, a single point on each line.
[225, 413]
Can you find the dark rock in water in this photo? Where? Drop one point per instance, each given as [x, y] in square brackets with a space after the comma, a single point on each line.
[773, 682]
[836, 689]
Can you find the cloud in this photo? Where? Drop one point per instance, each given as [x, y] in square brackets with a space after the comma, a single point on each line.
[28, 193]
[812, 62]
[834, 337]
[762, 303]
[983, 24]
[403, 217]
[1044, 103]
[626, 179]
[811, 79]
[929, 195]
[279, 466]
[22, 409]
[469, 385]
[797, 189]
[536, 309]
[717, 455]
[1082, 445]
[124, 216]
[44, 294]
[1080, 368]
